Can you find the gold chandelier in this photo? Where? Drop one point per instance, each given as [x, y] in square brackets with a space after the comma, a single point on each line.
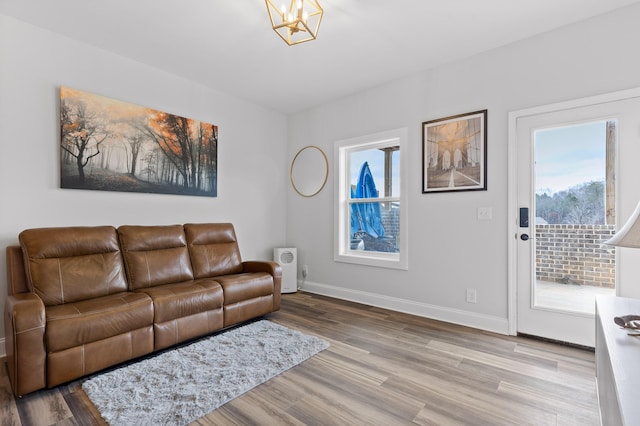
[297, 23]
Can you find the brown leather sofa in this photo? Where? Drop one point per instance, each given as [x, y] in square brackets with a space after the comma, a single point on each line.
[81, 299]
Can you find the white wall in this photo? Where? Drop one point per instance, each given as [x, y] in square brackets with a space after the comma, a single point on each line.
[33, 65]
[450, 250]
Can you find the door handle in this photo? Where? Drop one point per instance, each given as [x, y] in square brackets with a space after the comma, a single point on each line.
[524, 237]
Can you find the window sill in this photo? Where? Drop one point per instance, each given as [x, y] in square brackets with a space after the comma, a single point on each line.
[381, 260]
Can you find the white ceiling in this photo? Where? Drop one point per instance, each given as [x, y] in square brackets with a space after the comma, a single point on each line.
[228, 45]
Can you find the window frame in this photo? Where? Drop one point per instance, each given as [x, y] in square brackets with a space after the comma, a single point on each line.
[342, 219]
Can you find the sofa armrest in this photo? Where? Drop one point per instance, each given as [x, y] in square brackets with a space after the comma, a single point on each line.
[271, 268]
[24, 333]
[16, 275]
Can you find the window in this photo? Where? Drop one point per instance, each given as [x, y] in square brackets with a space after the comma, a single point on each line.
[371, 206]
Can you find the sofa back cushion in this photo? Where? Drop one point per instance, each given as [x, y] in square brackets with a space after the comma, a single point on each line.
[70, 264]
[155, 255]
[213, 249]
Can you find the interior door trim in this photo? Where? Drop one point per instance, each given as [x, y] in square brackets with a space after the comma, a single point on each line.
[512, 156]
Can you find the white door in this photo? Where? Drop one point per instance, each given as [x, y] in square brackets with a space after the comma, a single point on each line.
[550, 307]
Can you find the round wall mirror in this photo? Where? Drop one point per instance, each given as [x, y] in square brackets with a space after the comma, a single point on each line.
[309, 171]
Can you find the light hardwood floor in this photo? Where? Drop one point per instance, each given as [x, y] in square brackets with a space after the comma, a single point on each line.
[382, 368]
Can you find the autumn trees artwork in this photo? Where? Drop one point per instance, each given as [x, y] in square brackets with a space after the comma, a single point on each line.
[111, 145]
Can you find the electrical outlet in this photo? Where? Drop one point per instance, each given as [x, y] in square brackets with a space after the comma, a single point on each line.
[472, 295]
[305, 271]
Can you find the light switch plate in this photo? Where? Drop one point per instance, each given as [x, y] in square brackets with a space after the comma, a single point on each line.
[485, 213]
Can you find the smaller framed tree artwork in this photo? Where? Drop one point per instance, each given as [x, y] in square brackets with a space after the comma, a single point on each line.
[111, 145]
[454, 153]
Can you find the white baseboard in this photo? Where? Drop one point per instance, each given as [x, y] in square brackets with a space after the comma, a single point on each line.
[455, 316]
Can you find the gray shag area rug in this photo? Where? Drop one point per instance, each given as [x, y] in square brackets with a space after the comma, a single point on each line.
[183, 384]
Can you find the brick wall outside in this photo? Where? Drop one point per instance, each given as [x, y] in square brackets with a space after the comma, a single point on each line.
[391, 222]
[574, 254]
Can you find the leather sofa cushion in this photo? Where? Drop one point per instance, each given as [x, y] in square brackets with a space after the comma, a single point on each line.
[79, 323]
[240, 287]
[179, 300]
[213, 248]
[70, 264]
[155, 255]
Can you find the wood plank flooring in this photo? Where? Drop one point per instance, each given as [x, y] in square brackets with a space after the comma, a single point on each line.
[383, 368]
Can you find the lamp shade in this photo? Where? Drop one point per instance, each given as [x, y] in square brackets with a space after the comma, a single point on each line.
[629, 234]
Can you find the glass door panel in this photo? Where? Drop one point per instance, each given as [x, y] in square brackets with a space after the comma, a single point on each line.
[574, 175]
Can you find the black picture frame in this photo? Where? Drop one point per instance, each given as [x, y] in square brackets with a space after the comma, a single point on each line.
[454, 153]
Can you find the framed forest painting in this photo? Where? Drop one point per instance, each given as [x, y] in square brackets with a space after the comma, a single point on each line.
[111, 145]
